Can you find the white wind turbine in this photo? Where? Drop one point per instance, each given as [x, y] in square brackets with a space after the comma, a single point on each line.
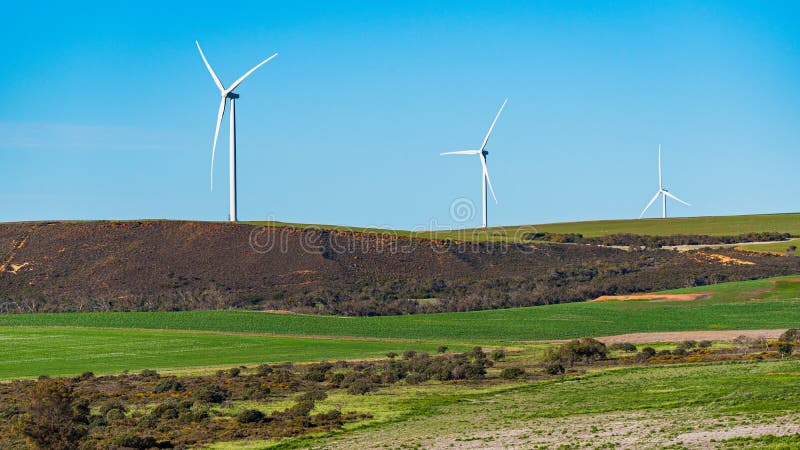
[228, 95]
[663, 192]
[485, 172]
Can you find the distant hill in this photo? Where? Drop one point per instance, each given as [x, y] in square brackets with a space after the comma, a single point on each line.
[173, 265]
[708, 225]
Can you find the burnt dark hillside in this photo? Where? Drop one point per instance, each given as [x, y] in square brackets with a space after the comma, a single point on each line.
[170, 265]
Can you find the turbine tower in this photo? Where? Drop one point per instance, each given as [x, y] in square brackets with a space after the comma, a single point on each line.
[228, 96]
[485, 181]
[662, 191]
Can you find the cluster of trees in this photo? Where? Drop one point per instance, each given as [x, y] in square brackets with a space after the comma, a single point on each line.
[653, 242]
[148, 410]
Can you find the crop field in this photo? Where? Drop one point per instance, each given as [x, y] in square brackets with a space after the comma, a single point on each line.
[770, 303]
[70, 343]
[33, 351]
[712, 226]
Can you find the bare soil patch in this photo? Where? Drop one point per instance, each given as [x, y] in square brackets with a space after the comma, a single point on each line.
[654, 297]
[727, 260]
[678, 336]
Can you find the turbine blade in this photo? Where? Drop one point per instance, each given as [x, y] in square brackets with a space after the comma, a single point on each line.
[660, 183]
[488, 180]
[675, 198]
[208, 66]
[216, 134]
[247, 74]
[486, 139]
[650, 204]
[462, 152]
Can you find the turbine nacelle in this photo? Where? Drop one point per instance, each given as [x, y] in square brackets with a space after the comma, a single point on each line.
[230, 95]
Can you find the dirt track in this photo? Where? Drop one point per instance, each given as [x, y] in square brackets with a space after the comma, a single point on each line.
[677, 336]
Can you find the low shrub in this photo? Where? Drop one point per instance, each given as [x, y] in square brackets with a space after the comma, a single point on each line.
[169, 384]
[250, 416]
[360, 387]
[623, 347]
[498, 354]
[510, 373]
[212, 394]
[790, 335]
[554, 368]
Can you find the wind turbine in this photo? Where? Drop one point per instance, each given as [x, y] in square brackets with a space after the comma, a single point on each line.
[228, 95]
[663, 192]
[485, 181]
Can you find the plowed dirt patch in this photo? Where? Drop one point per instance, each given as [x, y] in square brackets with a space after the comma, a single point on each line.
[678, 336]
[654, 297]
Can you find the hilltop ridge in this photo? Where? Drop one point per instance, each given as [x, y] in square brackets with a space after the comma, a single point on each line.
[174, 265]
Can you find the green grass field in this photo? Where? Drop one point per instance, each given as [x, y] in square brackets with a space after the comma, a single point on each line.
[33, 344]
[33, 351]
[713, 225]
[731, 307]
[777, 247]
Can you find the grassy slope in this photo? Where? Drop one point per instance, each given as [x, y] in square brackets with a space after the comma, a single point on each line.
[730, 308]
[33, 351]
[643, 406]
[778, 247]
[715, 226]
[111, 342]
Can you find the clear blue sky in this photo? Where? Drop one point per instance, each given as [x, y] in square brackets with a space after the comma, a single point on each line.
[108, 112]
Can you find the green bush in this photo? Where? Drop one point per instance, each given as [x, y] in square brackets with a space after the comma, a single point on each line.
[137, 442]
[554, 368]
[53, 421]
[360, 387]
[511, 373]
[250, 416]
[263, 370]
[408, 354]
[623, 347]
[301, 408]
[114, 414]
[785, 349]
[498, 354]
[167, 385]
[583, 349]
[212, 394]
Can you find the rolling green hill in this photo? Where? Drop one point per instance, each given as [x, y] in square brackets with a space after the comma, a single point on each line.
[710, 225]
[107, 342]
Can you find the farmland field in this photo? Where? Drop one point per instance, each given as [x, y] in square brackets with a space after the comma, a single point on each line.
[33, 351]
[729, 307]
[69, 343]
[712, 226]
[777, 247]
